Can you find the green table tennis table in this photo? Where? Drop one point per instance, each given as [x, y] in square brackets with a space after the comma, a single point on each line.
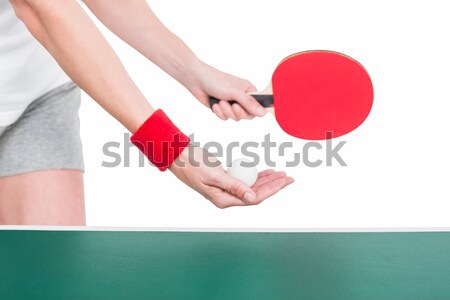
[84, 263]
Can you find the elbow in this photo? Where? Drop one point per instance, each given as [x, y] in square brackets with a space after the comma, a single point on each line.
[20, 8]
[29, 16]
[23, 8]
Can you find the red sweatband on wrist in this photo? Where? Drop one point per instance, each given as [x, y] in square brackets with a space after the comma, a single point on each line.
[160, 140]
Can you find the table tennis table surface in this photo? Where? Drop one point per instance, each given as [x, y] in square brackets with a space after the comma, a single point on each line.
[85, 263]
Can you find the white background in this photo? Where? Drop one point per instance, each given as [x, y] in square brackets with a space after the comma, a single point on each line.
[398, 159]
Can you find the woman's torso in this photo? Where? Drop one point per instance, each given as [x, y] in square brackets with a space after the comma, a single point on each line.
[27, 70]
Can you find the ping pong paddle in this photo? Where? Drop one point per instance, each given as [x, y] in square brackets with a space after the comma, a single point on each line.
[317, 95]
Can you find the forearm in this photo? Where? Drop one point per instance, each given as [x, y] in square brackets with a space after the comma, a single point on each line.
[136, 24]
[84, 54]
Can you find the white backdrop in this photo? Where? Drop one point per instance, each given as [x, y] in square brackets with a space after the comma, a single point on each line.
[398, 161]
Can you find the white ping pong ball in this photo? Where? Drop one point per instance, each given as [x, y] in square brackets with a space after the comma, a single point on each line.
[244, 173]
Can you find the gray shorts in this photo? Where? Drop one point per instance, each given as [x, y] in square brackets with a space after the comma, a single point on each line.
[46, 136]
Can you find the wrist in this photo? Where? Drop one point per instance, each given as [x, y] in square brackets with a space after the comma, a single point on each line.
[138, 119]
[181, 160]
[160, 140]
[194, 70]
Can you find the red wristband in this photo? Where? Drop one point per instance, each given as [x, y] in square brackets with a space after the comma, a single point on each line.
[160, 140]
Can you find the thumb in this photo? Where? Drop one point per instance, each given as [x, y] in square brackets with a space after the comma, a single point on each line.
[237, 188]
[250, 104]
[251, 88]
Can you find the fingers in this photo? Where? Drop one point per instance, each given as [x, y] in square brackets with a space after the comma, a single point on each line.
[265, 173]
[224, 111]
[268, 178]
[219, 113]
[272, 187]
[229, 191]
[227, 110]
[246, 107]
[222, 199]
[235, 188]
[240, 112]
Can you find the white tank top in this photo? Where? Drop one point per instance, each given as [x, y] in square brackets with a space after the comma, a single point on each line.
[27, 70]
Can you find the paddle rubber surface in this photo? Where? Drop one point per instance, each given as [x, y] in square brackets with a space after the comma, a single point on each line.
[320, 92]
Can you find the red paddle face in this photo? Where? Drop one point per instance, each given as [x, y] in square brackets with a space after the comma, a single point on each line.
[321, 94]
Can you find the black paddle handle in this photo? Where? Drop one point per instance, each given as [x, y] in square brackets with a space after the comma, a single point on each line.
[265, 100]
